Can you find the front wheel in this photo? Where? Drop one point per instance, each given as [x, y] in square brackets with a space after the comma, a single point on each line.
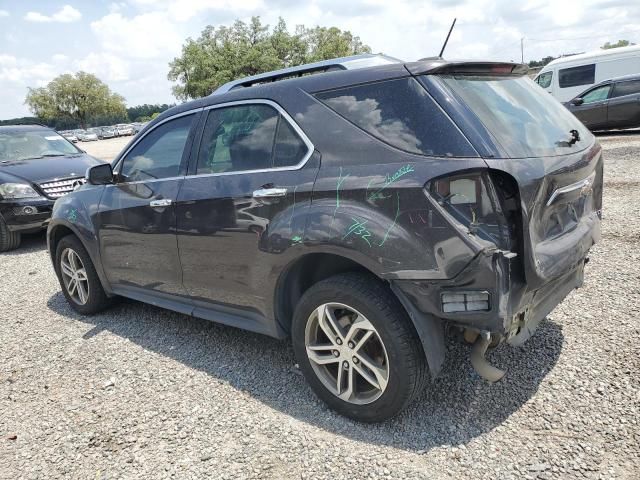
[78, 277]
[8, 240]
[357, 348]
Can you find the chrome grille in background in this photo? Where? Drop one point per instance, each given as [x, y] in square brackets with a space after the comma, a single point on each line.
[60, 188]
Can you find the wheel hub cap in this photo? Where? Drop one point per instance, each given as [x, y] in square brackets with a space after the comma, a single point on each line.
[347, 353]
[74, 276]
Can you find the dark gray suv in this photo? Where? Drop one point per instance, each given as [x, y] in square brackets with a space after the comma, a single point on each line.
[611, 104]
[359, 211]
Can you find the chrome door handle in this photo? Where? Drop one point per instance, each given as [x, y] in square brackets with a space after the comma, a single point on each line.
[165, 202]
[269, 192]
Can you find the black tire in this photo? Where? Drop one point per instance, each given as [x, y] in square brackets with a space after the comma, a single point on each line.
[8, 240]
[407, 366]
[97, 298]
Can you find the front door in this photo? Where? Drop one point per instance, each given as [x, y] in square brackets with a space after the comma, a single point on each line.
[593, 110]
[137, 216]
[243, 205]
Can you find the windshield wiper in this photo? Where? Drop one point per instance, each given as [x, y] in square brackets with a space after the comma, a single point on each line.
[575, 138]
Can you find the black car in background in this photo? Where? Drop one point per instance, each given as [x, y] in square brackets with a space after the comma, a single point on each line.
[356, 210]
[609, 105]
[37, 166]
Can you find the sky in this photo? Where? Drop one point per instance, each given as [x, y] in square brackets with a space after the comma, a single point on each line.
[128, 44]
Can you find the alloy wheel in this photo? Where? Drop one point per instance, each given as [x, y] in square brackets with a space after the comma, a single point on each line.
[74, 276]
[347, 353]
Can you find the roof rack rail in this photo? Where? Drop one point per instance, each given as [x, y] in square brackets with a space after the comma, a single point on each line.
[343, 63]
[23, 124]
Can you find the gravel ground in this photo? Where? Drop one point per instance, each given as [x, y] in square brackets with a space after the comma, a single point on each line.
[140, 392]
[105, 149]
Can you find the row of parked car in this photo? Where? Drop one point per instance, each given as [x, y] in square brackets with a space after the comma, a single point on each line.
[102, 133]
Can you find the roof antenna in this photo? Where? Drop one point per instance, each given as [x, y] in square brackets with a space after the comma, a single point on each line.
[447, 39]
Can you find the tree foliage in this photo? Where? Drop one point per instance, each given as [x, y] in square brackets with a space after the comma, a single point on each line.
[222, 54]
[542, 62]
[619, 43]
[77, 98]
[141, 113]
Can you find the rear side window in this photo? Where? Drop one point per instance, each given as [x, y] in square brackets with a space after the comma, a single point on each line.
[576, 76]
[402, 114]
[626, 88]
[544, 80]
[526, 120]
[248, 137]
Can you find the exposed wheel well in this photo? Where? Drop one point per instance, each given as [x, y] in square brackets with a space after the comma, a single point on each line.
[56, 235]
[305, 272]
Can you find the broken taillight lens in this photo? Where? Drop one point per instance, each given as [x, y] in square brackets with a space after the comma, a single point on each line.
[470, 198]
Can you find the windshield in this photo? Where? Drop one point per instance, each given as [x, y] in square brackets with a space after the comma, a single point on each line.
[524, 119]
[34, 144]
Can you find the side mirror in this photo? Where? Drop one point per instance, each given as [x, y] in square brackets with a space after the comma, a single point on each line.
[577, 101]
[100, 174]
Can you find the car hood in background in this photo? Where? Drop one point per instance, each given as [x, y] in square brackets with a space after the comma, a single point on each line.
[49, 168]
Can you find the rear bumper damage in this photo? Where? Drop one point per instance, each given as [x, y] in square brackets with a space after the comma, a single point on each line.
[513, 311]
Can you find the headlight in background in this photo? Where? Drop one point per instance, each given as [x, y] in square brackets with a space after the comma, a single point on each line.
[14, 191]
[471, 199]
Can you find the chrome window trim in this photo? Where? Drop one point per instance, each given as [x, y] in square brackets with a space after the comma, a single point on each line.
[290, 121]
[118, 164]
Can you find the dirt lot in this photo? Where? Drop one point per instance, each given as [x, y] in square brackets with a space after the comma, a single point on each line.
[141, 392]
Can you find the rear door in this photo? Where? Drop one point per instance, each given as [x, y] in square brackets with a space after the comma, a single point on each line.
[624, 105]
[593, 110]
[137, 219]
[243, 204]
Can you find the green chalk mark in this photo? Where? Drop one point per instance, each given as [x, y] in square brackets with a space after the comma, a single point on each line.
[401, 172]
[339, 183]
[395, 220]
[358, 228]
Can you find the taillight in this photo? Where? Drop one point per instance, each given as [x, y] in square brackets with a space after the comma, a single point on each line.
[471, 200]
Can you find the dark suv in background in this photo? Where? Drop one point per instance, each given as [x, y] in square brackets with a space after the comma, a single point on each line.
[37, 166]
[357, 210]
[611, 104]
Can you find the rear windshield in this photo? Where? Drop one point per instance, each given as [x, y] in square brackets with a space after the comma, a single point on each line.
[525, 119]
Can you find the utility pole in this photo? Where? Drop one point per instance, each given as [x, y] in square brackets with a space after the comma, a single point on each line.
[522, 50]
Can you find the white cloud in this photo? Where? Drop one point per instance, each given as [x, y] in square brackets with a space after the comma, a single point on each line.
[182, 10]
[106, 66]
[4, 13]
[150, 35]
[66, 14]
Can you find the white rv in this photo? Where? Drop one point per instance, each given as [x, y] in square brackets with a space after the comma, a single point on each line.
[566, 77]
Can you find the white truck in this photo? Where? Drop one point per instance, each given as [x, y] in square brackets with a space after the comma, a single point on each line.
[566, 77]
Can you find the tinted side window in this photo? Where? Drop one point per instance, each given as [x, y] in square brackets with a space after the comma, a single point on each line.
[626, 88]
[158, 154]
[241, 138]
[597, 94]
[575, 76]
[400, 113]
[544, 80]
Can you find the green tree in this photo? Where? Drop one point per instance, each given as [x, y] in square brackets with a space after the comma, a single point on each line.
[619, 43]
[141, 112]
[78, 97]
[222, 54]
[541, 63]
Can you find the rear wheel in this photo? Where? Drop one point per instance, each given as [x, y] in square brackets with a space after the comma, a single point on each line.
[357, 348]
[8, 240]
[78, 277]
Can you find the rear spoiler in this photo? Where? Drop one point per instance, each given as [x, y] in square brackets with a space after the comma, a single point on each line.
[441, 66]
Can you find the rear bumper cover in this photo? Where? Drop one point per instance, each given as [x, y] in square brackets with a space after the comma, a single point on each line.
[515, 310]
